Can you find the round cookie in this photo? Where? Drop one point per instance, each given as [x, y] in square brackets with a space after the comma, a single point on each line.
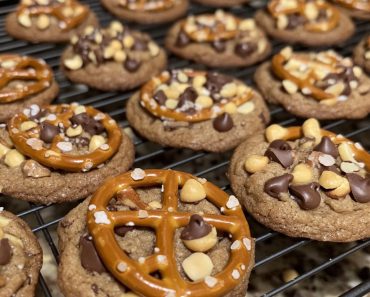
[221, 3]
[197, 110]
[361, 54]
[20, 257]
[337, 90]
[174, 233]
[218, 40]
[60, 153]
[25, 81]
[49, 21]
[150, 12]
[112, 59]
[312, 23]
[305, 182]
[356, 9]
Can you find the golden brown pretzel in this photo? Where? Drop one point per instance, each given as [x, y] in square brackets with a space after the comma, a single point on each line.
[76, 12]
[53, 157]
[321, 26]
[145, 5]
[354, 4]
[13, 68]
[147, 92]
[164, 221]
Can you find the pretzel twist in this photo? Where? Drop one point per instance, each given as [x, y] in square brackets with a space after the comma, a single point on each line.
[321, 26]
[66, 22]
[145, 5]
[22, 68]
[147, 92]
[354, 4]
[53, 157]
[164, 222]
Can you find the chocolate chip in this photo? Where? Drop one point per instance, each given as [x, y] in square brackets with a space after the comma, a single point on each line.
[215, 81]
[283, 157]
[122, 230]
[88, 123]
[223, 123]
[307, 196]
[39, 115]
[277, 185]
[182, 39]
[295, 20]
[328, 147]
[160, 97]
[5, 251]
[245, 48]
[95, 289]
[364, 273]
[48, 132]
[280, 145]
[219, 46]
[90, 259]
[360, 187]
[197, 228]
[132, 65]
[140, 45]
[190, 94]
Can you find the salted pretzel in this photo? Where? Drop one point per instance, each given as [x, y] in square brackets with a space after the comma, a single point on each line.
[147, 101]
[148, 5]
[313, 66]
[276, 8]
[211, 27]
[355, 4]
[69, 13]
[53, 156]
[14, 68]
[164, 221]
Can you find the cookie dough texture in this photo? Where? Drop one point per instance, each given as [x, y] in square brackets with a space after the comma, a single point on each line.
[200, 135]
[221, 3]
[342, 32]
[147, 17]
[359, 55]
[74, 280]
[63, 186]
[20, 282]
[51, 34]
[205, 54]
[7, 110]
[334, 220]
[355, 107]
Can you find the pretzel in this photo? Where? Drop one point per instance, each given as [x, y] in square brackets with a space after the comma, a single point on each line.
[53, 156]
[354, 4]
[276, 9]
[165, 221]
[57, 10]
[14, 68]
[147, 101]
[331, 64]
[147, 5]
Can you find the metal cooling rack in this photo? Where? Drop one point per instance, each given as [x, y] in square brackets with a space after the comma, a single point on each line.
[44, 219]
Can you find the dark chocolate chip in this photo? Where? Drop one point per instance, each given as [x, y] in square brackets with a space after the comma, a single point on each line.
[245, 48]
[90, 259]
[182, 39]
[360, 187]
[295, 20]
[160, 97]
[283, 157]
[219, 46]
[215, 81]
[88, 123]
[48, 132]
[280, 145]
[190, 94]
[5, 251]
[223, 123]
[132, 65]
[197, 228]
[122, 230]
[328, 147]
[277, 185]
[307, 196]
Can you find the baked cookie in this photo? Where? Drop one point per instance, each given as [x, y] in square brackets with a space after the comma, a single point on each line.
[218, 40]
[49, 20]
[147, 11]
[359, 9]
[305, 182]
[221, 3]
[60, 153]
[312, 23]
[111, 59]
[323, 85]
[20, 257]
[361, 54]
[197, 110]
[169, 234]
[24, 81]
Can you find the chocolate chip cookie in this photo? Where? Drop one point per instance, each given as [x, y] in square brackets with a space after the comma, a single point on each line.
[111, 59]
[20, 257]
[305, 182]
[197, 110]
[169, 234]
[24, 81]
[361, 54]
[359, 9]
[324, 84]
[147, 11]
[218, 40]
[49, 20]
[221, 3]
[60, 153]
[312, 23]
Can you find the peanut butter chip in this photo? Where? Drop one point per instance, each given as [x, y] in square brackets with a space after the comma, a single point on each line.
[197, 266]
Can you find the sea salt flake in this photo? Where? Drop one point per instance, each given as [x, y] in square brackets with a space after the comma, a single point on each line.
[51, 117]
[122, 267]
[131, 224]
[171, 294]
[143, 214]
[1, 209]
[232, 202]
[247, 243]
[235, 274]
[101, 218]
[35, 143]
[326, 160]
[162, 259]
[138, 174]
[64, 146]
[156, 250]
[242, 267]
[210, 281]
[34, 109]
[141, 260]
[236, 245]
[100, 116]
[104, 147]
[92, 207]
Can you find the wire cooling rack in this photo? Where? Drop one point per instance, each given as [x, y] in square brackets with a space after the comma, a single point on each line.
[44, 219]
